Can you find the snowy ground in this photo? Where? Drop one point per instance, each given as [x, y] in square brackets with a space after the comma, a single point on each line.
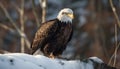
[25, 61]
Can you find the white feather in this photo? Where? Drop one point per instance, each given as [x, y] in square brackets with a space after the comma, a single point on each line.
[65, 18]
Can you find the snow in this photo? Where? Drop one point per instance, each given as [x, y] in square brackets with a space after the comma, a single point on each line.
[96, 59]
[26, 61]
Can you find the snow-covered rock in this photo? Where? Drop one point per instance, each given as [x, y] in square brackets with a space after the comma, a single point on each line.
[26, 61]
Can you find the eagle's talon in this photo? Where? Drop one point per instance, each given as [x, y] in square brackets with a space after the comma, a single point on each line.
[52, 56]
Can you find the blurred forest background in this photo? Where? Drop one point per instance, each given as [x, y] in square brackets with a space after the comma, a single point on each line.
[96, 26]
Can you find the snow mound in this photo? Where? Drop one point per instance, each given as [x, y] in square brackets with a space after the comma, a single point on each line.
[26, 61]
[96, 59]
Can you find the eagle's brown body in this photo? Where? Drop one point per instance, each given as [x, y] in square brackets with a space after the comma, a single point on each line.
[52, 37]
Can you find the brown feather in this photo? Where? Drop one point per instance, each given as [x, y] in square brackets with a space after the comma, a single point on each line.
[52, 37]
[44, 33]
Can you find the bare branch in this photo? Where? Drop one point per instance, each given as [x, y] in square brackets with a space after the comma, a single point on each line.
[115, 14]
[117, 47]
[8, 16]
[114, 63]
[43, 6]
[3, 51]
[14, 24]
[6, 27]
[22, 25]
[116, 44]
[35, 14]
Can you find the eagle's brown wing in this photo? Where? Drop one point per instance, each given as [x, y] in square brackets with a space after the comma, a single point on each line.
[44, 33]
[71, 34]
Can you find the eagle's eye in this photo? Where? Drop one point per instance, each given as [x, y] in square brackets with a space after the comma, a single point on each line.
[64, 13]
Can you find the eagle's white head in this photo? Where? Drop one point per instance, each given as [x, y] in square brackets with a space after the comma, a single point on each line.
[65, 15]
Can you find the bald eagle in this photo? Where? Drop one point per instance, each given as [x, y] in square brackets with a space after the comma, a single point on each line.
[52, 36]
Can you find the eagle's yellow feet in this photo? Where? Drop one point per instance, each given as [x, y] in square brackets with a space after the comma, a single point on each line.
[52, 56]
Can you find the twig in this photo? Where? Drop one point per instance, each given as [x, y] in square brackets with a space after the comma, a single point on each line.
[12, 30]
[3, 51]
[43, 6]
[118, 22]
[6, 27]
[35, 14]
[8, 16]
[22, 25]
[16, 27]
[115, 45]
[115, 14]
[113, 54]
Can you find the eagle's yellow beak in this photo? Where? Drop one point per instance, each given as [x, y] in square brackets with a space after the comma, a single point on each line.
[71, 16]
